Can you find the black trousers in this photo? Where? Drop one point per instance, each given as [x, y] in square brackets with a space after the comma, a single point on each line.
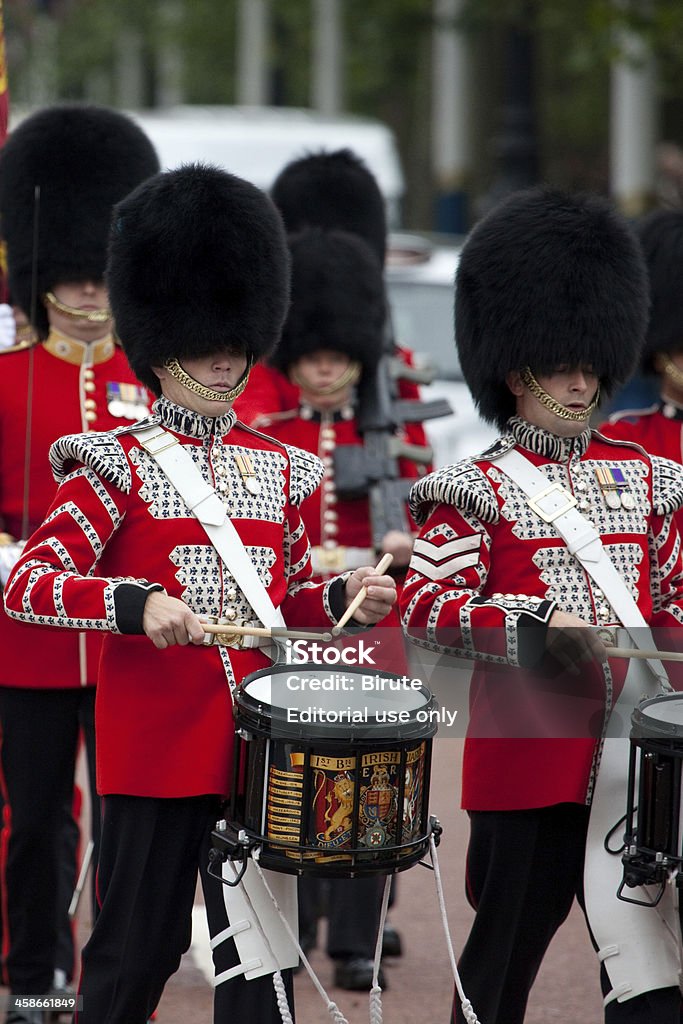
[524, 869]
[151, 851]
[40, 734]
[352, 906]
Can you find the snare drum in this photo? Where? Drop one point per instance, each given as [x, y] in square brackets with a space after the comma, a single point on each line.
[334, 768]
[654, 825]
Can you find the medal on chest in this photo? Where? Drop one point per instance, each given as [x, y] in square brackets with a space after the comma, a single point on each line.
[614, 487]
[247, 472]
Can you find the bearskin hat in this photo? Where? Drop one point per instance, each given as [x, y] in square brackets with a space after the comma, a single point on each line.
[337, 299]
[84, 159]
[661, 239]
[332, 190]
[548, 278]
[197, 262]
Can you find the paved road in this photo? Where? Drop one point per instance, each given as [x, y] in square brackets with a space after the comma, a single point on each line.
[419, 984]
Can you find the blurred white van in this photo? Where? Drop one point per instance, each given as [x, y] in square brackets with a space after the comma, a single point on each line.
[256, 142]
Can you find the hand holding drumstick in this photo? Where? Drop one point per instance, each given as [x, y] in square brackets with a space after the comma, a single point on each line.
[369, 593]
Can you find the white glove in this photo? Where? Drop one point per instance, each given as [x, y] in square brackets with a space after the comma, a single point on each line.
[8, 327]
[9, 556]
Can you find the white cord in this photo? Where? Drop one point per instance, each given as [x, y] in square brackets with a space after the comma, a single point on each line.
[467, 1009]
[376, 991]
[332, 1008]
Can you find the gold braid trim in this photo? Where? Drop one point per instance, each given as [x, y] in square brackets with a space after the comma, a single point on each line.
[177, 372]
[554, 406]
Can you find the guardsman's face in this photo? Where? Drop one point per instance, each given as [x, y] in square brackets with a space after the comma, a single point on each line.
[88, 296]
[219, 372]
[319, 370]
[574, 387]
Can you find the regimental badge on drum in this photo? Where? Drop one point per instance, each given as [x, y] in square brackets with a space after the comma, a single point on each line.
[247, 472]
[126, 401]
[614, 487]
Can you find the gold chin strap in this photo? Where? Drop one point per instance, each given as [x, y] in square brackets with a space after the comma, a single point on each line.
[554, 406]
[177, 372]
[92, 316]
[350, 376]
[670, 370]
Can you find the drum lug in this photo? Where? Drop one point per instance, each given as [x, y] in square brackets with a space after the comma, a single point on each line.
[229, 843]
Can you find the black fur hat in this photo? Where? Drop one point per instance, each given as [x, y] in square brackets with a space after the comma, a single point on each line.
[334, 191]
[85, 159]
[337, 299]
[661, 239]
[548, 278]
[197, 263]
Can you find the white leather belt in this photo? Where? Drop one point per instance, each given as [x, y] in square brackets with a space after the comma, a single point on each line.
[557, 507]
[202, 500]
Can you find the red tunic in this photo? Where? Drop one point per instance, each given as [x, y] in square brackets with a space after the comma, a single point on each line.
[75, 387]
[164, 717]
[659, 430]
[269, 392]
[333, 524]
[340, 529]
[485, 567]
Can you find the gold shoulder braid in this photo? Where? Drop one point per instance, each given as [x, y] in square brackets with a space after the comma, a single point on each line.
[556, 407]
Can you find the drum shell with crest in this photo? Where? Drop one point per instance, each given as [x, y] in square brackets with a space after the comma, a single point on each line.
[333, 781]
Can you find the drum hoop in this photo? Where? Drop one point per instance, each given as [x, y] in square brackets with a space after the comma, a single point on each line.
[644, 726]
[247, 707]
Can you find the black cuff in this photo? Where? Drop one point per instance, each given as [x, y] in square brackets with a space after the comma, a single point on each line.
[337, 599]
[532, 630]
[129, 605]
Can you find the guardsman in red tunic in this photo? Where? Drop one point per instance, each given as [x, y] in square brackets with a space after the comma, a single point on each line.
[198, 283]
[61, 172]
[332, 336]
[334, 191]
[551, 301]
[659, 428]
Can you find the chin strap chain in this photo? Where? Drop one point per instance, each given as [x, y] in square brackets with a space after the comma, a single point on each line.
[467, 1010]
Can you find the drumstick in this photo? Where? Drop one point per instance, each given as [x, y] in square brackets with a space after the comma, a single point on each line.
[627, 652]
[275, 631]
[382, 566]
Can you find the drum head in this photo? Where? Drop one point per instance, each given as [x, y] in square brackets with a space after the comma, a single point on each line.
[659, 717]
[339, 703]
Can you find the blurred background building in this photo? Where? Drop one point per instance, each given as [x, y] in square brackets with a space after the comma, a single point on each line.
[482, 95]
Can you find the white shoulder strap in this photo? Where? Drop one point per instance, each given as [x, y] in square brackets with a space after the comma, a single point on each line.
[557, 506]
[201, 498]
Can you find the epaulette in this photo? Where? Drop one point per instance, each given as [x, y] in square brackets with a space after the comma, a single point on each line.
[632, 414]
[99, 450]
[667, 485]
[265, 420]
[20, 346]
[462, 485]
[306, 474]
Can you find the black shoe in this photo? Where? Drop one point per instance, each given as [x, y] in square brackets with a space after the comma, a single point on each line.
[355, 975]
[391, 941]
